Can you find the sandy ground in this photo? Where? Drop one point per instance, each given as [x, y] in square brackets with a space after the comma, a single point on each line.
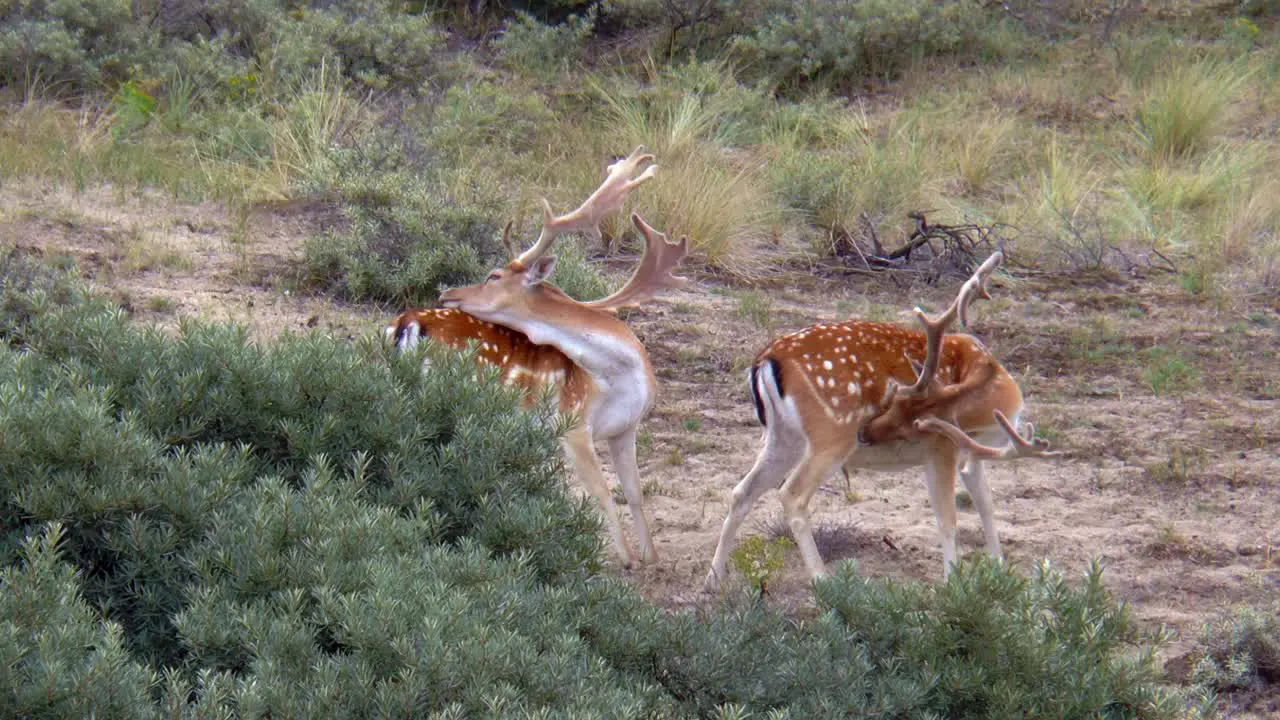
[1172, 472]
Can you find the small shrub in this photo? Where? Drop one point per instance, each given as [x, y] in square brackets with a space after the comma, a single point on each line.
[759, 559]
[1168, 371]
[574, 273]
[1179, 467]
[133, 106]
[529, 46]
[756, 308]
[161, 304]
[1240, 647]
[397, 258]
[407, 235]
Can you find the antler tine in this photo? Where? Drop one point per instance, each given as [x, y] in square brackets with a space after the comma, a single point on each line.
[1028, 446]
[660, 258]
[935, 328]
[507, 242]
[606, 199]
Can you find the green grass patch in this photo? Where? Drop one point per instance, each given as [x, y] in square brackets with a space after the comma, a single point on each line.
[1168, 371]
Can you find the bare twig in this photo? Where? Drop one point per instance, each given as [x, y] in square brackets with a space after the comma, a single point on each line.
[876, 247]
[1172, 268]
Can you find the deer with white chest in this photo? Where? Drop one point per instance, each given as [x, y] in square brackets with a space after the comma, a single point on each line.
[541, 339]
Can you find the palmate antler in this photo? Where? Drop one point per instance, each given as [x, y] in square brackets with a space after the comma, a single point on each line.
[654, 271]
[607, 199]
[1020, 446]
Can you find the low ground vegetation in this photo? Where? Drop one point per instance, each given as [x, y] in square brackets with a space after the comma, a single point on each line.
[198, 525]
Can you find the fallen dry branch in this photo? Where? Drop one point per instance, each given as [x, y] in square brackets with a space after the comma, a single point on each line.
[932, 251]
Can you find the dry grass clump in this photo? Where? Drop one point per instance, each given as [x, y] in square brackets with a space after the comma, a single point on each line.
[717, 197]
[1182, 109]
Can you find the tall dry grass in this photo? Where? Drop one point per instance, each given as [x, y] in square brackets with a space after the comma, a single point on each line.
[1182, 109]
[716, 196]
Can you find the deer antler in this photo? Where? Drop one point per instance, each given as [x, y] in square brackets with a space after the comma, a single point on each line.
[934, 328]
[607, 199]
[507, 242]
[1028, 446]
[660, 258]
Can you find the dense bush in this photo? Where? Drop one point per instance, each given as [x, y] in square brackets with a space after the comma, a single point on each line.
[426, 196]
[198, 526]
[134, 440]
[403, 254]
[530, 46]
[79, 45]
[837, 42]
[390, 44]
[408, 237]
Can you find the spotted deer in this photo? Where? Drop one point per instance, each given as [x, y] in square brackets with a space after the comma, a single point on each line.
[877, 396]
[543, 340]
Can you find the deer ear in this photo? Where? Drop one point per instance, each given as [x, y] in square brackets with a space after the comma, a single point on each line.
[539, 271]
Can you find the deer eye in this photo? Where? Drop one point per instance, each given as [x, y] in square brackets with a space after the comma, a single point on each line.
[495, 275]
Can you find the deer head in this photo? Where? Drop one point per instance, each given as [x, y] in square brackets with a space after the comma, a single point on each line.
[523, 280]
[967, 370]
[520, 290]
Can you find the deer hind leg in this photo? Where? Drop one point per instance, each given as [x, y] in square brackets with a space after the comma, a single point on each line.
[623, 450]
[975, 482]
[778, 456]
[940, 477]
[799, 489]
[582, 454]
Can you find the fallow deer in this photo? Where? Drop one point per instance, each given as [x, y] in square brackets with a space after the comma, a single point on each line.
[829, 396]
[542, 339]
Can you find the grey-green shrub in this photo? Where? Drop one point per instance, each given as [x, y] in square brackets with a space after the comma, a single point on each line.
[81, 45]
[836, 43]
[53, 42]
[1240, 647]
[58, 658]
[527, 45]
[308, 528]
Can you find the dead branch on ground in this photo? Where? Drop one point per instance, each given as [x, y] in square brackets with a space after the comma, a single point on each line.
[931, 251]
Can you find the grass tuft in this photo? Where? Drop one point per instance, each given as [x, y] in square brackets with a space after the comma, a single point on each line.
[1181, 111]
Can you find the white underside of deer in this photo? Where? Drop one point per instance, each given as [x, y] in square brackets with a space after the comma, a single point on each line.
[833, 396]
[589, 359]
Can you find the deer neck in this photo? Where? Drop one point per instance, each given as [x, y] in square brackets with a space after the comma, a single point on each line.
[594, 340]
